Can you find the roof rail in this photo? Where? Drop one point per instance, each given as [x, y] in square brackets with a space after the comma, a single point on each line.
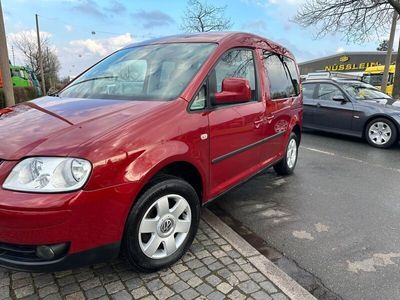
[332, 75]
[318, 75]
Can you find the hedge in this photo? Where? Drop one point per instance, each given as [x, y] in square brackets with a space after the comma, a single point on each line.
[21, 94]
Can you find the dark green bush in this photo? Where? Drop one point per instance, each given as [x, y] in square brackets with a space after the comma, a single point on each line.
[21, 94]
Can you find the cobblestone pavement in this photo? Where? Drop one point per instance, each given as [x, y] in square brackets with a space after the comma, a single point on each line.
[212, 269]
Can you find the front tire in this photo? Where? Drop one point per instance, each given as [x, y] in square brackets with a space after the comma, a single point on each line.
[288, 163]
[381, 133]
[162, 225]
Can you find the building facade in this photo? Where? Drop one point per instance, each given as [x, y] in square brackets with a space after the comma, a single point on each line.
[349, 62]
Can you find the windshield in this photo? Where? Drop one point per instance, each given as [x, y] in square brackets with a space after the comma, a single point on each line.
[153, 72]
[374, 79]
[363, 91]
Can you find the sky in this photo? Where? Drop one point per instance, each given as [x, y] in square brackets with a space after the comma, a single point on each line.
[84, 31]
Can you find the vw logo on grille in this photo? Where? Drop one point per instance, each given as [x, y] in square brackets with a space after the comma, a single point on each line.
[166, 225]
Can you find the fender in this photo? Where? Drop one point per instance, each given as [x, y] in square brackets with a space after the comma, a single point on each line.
[294, 120]
[156, 158]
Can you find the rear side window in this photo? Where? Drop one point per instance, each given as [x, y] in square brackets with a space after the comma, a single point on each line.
[239, 64]
[294, 76]
[280, 81]
[328, 91]
[308, 90]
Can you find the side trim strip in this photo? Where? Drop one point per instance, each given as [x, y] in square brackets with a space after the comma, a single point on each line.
[240, 150]
[241, 182]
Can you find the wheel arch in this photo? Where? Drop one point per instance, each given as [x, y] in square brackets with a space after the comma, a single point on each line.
[297, 130]
[183, 169]
[186, 171]
[380, 116]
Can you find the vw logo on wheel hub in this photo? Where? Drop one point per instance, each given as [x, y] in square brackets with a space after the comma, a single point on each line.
[166, 225]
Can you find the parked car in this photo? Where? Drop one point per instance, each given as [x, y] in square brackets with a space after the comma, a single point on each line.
[121, 159]
[353, 108]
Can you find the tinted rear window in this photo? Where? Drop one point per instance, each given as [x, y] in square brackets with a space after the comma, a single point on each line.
[280, 81]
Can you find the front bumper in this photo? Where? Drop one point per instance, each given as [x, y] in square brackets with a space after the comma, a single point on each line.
[69, 261]
[90, 222]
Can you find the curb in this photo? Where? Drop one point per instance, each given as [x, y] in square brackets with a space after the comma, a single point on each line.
[283, 281]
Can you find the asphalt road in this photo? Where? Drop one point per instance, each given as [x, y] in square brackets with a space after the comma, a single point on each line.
[336, 217]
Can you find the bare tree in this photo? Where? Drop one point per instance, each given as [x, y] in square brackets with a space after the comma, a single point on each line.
[203, 17]
[27, 44]
[357, 20]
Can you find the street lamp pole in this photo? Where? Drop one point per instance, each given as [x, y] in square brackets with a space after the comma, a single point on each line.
[5, 64]
[40, 55]
[389, 53]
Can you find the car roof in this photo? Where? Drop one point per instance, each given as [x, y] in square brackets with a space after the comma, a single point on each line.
[203, 37]
[220, 37]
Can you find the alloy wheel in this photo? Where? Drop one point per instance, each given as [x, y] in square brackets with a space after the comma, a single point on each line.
[165, 226]
[380, 133]
[291, 154]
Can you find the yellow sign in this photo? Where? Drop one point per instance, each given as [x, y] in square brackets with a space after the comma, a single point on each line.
[344, 58]
[351, 67]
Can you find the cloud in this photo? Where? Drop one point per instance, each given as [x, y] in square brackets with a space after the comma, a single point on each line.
[29, 34]
[267, 3]
[291, 2]
[68, 28]
[117, 7]
[100, 47]
[88, 7]
[255, 26]
[153, 18]
[340, 50]
[93, 9]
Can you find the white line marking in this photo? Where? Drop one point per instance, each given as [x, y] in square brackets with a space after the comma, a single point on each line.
[351, 159]
[371, 164]
[319, 151]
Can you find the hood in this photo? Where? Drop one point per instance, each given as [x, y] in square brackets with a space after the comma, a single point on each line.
[383, 101]
[389, 103]
[56, 126]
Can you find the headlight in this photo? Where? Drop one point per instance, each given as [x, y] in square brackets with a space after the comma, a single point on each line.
[48, 175]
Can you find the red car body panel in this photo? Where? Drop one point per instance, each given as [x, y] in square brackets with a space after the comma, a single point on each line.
[129, 142]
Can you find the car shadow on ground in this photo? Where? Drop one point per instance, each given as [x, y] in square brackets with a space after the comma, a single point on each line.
[342, 137]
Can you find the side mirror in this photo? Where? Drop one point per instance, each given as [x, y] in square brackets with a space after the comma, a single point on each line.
[234, 90]
[339, 99]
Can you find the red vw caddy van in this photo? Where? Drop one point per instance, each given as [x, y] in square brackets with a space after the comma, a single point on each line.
[122, 158]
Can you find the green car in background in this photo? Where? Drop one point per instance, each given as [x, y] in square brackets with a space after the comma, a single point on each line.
[20, 76]
[23, 77]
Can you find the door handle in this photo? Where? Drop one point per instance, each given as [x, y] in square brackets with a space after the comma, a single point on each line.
[270, 118]
[258, 123]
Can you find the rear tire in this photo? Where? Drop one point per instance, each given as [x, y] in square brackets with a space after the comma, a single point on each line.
[288, 163]
[161, 225]
[381, 133]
